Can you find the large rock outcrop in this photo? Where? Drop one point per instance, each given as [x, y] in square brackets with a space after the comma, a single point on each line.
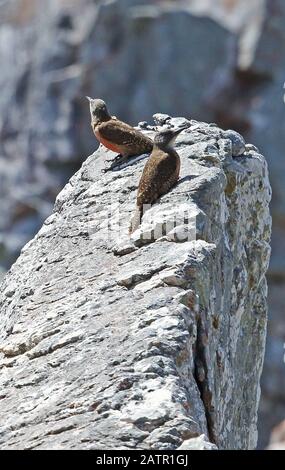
[108, 342]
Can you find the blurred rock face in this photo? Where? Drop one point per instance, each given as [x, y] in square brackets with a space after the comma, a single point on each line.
[155, 58]
[37, 127]
[140, 56]
[277, 439]
[234, 14]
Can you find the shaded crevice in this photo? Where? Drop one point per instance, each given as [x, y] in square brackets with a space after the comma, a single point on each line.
[201, 378]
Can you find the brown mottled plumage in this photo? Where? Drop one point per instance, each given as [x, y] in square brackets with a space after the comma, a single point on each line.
[116, 135]
[160, 173]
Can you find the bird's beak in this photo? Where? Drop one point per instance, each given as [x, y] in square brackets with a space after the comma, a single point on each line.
[88, 98]
[179, 129]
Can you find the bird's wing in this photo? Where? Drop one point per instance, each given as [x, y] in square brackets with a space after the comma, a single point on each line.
[158, 176]
[121, 133]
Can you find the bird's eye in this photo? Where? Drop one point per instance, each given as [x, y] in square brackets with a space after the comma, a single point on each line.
[94, 113]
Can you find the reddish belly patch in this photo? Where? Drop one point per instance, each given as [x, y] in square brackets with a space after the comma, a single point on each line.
[115, 148]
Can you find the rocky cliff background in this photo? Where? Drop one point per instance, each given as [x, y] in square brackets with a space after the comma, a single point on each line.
[219, 60]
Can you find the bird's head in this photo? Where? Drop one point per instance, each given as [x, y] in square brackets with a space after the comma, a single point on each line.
[166, 138]
[98, 110]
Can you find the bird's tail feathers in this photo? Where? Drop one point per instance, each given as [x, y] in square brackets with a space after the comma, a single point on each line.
[135, 220]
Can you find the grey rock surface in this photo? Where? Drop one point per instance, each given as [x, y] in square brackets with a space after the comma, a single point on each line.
[108, 342]
[197, 443]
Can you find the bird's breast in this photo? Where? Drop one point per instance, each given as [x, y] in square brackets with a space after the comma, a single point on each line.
[109, 145]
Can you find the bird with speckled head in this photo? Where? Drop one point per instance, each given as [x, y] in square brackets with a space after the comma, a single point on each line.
[117, 135]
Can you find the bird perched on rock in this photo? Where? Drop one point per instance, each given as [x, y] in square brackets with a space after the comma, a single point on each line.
[116, 135]
[160, 173]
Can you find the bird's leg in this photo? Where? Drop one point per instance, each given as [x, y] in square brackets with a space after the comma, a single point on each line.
[112, 166]
[117, 161]
[114, 159]
[106, 160]
[118, 157]
[120, 160]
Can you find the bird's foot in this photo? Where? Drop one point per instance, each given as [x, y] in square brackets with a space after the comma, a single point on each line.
[119, 160]
[114, 159]
[110, 168]
[116, 162]
[118, 157]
